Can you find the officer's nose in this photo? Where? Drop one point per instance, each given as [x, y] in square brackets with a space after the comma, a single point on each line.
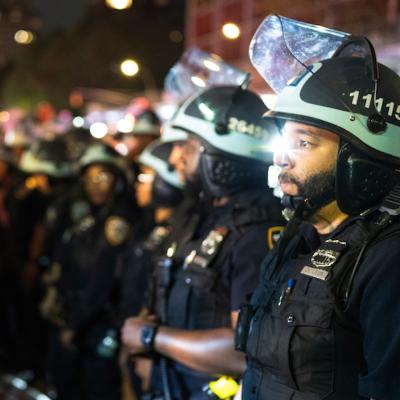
[282, 158]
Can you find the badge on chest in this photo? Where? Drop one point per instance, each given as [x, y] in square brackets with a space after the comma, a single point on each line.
[323, 260]
[208, 248]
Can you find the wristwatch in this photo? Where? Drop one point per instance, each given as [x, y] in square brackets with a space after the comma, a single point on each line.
[147, 336]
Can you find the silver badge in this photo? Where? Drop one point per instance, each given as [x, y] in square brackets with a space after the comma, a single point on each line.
[210, 244]
[324, 258]
[86, 223]
[189, 258]
[194, 258]
[157, 235]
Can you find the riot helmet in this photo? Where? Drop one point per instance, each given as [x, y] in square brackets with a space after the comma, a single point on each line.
[171, 134]
[145, 129]
[345, 91]
[197, 70]
[47, 157]
[99, 153]
[77, 141]
[147, 123]
[166, 187]
[236, 146]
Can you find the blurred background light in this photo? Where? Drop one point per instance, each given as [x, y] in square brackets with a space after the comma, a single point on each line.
[119, 4]
[23, 37]
[129, 67]
[125, 125]
[231, 31]
[78, 122]
[98, 130]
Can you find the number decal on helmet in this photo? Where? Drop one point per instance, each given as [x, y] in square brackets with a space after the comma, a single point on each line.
[243, 126]
[378, 103]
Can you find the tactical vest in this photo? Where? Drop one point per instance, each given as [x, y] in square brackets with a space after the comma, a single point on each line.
[191, 279]
[303, 344]
[198, 298]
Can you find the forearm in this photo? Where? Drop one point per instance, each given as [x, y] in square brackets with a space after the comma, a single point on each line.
[210, 351]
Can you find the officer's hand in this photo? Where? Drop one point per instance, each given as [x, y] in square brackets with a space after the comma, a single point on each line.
[131, 332]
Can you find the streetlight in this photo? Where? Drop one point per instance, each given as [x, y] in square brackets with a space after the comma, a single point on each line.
[129, 67]
[119, 4]
[23, 37]
[231, 31]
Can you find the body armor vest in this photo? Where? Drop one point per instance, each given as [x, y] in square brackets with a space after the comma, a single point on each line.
[197, 296]
[303, 343]
[192, 289]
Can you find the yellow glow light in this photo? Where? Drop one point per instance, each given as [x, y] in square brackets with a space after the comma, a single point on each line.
[23, 37]
[119, 4]
[231, 31]
[129, 67]
[4, 116]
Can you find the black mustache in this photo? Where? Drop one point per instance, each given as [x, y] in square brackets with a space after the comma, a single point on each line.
[284, 176]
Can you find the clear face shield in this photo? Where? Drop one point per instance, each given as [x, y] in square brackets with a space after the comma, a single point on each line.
[198, 70]
[283, 49]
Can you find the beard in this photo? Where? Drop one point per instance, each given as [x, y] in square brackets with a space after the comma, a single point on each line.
[318, 189]
[193, 186]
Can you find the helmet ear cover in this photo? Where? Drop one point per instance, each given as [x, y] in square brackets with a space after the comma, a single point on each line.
[223, 175]
[361, 182]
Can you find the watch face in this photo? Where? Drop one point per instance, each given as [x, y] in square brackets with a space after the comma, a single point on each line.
[147, 336]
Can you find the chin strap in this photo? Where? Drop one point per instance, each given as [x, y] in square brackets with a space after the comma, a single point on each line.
[391, 203]
[304, 207]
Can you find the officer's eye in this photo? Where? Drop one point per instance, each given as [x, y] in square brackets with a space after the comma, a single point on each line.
[304, 144]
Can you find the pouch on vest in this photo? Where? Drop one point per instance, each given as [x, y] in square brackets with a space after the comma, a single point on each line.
[246, 314]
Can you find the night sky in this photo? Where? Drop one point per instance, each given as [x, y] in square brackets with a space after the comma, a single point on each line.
[58, 14]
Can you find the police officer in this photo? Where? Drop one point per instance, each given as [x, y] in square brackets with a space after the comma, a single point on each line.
[158, 188]
[324, 320]
[85, 360]
[45, 170]
[208, 270]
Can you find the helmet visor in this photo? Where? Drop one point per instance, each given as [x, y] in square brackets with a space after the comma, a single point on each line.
[282, 48]
[197, 70]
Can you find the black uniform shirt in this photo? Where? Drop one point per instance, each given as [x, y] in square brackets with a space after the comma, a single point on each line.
[241, 269]
[373, 307]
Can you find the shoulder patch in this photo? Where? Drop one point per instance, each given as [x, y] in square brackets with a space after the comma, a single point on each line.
[273, 235]
[116, 230]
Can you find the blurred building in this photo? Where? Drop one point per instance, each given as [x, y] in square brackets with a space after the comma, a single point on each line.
[377, 19]
[15, 17]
